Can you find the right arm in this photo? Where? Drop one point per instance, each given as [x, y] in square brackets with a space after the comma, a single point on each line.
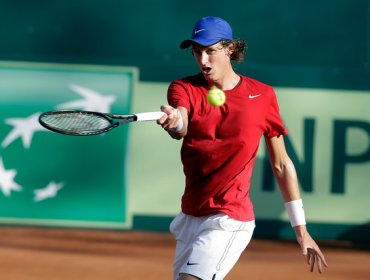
[174, 121]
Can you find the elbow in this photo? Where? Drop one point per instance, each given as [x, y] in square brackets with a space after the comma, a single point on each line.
[282, 167]
[278, 168]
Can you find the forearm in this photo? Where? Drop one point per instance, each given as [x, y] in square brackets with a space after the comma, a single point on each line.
[286, 177]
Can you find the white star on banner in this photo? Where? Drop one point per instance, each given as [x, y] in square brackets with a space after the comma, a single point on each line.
[93, 100]
[7, 183]
[24, 128]
[48, 192]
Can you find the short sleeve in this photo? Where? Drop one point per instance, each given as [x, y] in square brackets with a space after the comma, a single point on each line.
[274, 123]
[177, 95]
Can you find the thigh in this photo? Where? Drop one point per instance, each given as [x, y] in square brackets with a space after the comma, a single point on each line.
[217, 246]
[183, 228]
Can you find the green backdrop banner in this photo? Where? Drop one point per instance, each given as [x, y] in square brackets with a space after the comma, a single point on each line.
[53, 179]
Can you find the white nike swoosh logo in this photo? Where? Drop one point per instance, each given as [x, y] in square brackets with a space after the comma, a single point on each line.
[253, 96]
[197, 31]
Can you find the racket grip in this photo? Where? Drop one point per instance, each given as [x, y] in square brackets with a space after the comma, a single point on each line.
[149, 116]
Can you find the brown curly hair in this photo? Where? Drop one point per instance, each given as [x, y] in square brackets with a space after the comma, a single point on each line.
[240, 49]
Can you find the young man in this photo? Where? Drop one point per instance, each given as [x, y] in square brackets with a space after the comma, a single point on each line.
[219, 148]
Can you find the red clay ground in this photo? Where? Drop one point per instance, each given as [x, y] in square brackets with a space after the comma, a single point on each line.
[66, 254]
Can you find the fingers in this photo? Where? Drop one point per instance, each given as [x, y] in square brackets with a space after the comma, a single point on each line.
[316, 258]
[166, 109]
[311, 259]
[319, 264]
[170, 119]
[320, 258]
[312, 251]
[164, 119]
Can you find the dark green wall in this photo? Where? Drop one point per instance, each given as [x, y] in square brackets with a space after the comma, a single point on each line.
[291, 42]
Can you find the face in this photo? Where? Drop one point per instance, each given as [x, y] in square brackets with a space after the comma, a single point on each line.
[213, 61]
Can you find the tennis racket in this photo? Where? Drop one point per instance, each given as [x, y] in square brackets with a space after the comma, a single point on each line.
[86, 123]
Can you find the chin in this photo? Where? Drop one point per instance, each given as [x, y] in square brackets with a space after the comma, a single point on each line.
[209, 78]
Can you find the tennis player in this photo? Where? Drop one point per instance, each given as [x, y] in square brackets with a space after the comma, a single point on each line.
[218, 152]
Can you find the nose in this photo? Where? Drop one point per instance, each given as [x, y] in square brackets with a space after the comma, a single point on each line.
[203, 58]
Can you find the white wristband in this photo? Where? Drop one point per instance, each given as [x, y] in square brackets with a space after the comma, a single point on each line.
[296, 212]
[180, 125]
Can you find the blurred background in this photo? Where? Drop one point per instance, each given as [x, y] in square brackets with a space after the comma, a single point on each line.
[119, 56]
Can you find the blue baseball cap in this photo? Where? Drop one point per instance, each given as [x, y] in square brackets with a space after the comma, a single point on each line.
[208, 31]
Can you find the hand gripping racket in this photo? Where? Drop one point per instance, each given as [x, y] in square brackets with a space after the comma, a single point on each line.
[86, 123]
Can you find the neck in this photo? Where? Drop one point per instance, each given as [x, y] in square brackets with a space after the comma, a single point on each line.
[228, 82]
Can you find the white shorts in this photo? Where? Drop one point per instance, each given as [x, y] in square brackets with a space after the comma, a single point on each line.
[208, 247]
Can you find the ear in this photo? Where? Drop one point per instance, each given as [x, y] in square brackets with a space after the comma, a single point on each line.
[230, 49]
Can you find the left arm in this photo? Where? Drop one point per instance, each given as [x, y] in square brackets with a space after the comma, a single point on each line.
[286, 176]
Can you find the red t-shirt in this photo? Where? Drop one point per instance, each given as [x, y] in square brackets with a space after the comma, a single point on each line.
[221, 144]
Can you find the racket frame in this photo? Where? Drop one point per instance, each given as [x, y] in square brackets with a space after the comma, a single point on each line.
[114, 120]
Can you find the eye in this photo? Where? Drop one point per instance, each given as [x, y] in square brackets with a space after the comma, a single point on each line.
[196, 52]
[210, 51]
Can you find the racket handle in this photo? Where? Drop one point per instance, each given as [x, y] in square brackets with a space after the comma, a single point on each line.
[150, 116]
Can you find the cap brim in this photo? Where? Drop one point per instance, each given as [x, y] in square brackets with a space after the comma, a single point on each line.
[185, 44]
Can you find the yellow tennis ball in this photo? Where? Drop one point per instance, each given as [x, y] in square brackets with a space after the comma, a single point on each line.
[216, 97]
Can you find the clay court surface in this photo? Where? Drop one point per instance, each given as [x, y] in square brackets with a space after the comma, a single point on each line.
[53, 254]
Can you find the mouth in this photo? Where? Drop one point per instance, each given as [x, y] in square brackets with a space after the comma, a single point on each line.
[206, 70]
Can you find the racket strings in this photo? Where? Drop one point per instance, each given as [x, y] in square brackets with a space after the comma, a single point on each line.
[76, 122]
